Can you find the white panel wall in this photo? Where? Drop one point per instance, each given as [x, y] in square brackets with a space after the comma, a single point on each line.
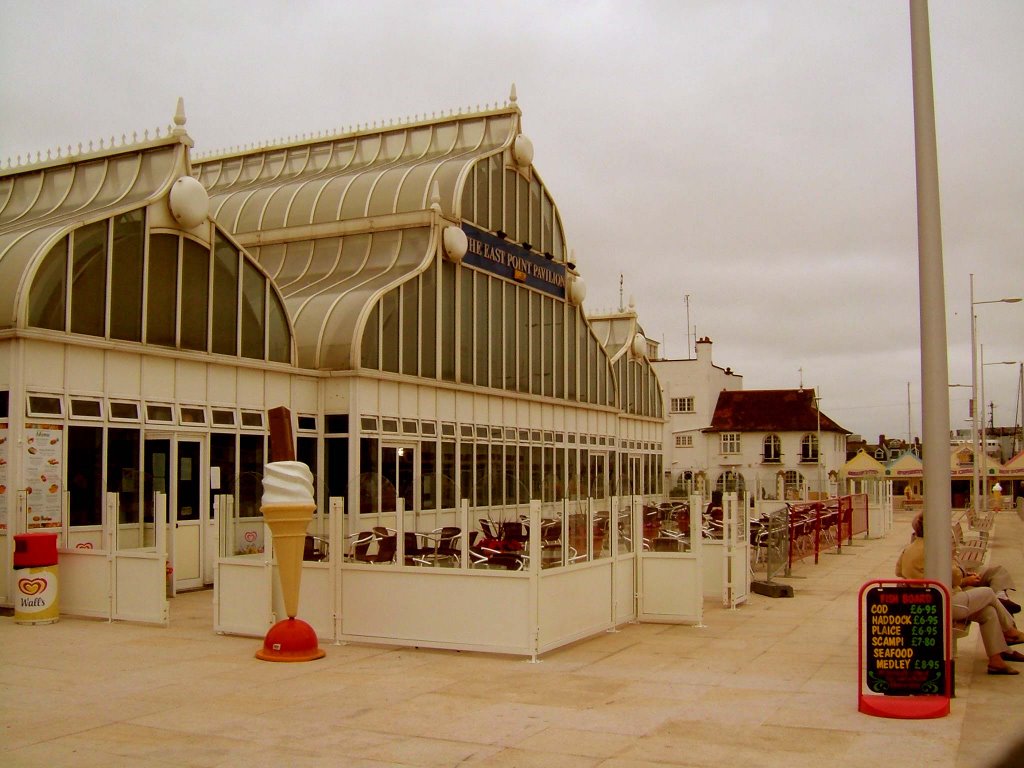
[190, 381]
[220, 384]
[158, 378]
[277, 390]
[85, 369]
[123, 375]
[44, 366]
[250, 388]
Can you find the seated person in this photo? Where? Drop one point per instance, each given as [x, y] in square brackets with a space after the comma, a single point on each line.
[971, 603]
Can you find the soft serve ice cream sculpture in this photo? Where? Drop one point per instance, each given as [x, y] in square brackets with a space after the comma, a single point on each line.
[287, 508]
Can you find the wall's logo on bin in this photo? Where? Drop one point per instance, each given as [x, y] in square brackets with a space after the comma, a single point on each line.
[32, 587]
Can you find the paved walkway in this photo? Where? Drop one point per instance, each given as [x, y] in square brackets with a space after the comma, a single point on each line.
[770, 684]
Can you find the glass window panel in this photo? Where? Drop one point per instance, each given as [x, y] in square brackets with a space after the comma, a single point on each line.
[428, 326]
[124, 472]
[336, 461]
[85, 479]
[523, 212]
[389, 331]
[482, 179]
[536, 471]
[428, 475]
[536, 347]
[225, 297]
[89, 279]
[305, 451]
[535, 193]
[46, 297]
[548, 306]
[570, 353]
[254, 293]
[497, 196]
[523, 477]
[466, 327]
[448, 474]
[550, 480]
[162, 290]
[336, 423]
[279, 340]
[370, 352]
[223, 417]
[467, 200]
[410, 323]
[524, 340]
[511, 492]
[509, 341]
[447, 320]
[195, 289]
[252, 419]
[126, 273]
[495, 324]
[250, 475]
[124, 411]
[497, 475]
[369, 476]
[465, 472]
[558, 355]
[481, 317]
[89, 409]
[559, 473]
[510, 223]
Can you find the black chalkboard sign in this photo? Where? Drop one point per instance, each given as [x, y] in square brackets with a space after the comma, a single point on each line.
[904, 627]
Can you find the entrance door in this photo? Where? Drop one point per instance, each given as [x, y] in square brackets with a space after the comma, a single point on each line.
[174, 465]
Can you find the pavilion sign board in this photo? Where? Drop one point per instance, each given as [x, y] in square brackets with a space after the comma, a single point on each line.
[904, 667]
[514, 262]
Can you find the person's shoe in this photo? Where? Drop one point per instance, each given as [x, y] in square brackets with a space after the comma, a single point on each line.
[1002, 671]
[1009, 605]
[1012, 656]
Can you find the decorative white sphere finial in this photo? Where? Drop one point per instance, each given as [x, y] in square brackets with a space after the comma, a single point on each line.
[512, 94]
[435, 197]
[189, 202]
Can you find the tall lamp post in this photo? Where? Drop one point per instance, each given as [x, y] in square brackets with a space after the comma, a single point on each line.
[975, 487]
[984, 443]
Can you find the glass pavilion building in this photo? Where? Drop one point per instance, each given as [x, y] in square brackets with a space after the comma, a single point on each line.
[406, 291]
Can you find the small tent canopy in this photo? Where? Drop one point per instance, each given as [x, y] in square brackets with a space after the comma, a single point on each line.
[905, 466]
[863, 466]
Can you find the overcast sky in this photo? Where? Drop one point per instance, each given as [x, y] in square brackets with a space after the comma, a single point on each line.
[757, 156]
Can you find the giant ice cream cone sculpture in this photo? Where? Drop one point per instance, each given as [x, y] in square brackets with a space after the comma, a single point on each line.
[287, 508]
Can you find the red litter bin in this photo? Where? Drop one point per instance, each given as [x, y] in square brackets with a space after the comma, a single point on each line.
[35, 571]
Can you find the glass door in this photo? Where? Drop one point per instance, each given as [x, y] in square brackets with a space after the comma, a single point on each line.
[173, 467]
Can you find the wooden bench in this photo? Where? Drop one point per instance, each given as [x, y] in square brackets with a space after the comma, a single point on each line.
[969, 550]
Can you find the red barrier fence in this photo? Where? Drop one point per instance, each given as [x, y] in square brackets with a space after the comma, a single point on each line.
[821, 526]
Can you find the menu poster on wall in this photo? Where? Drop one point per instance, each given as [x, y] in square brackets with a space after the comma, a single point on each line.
[4, 495]
[43, 451]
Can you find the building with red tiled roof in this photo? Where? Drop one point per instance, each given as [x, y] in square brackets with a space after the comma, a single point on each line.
[775, 442]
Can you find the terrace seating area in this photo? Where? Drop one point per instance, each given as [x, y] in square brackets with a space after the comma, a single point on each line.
[781, 679]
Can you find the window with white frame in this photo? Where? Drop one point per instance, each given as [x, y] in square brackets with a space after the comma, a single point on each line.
[809, 447]
[772, 449]
[684, 441]
[730, 442]
[682, 404]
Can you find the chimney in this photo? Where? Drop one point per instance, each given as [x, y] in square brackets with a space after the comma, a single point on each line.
[704, 349]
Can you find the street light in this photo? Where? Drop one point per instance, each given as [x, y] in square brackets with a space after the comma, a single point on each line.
[975, 487]
[984, 443]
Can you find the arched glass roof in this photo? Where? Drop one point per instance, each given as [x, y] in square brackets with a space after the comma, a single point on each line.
[339, 221]
[39, 206]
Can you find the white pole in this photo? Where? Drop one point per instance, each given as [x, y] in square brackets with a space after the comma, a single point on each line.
[934, 364]
[974, 406]
[984, 447]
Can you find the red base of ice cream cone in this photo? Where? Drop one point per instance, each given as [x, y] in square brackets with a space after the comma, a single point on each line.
[290, 640]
